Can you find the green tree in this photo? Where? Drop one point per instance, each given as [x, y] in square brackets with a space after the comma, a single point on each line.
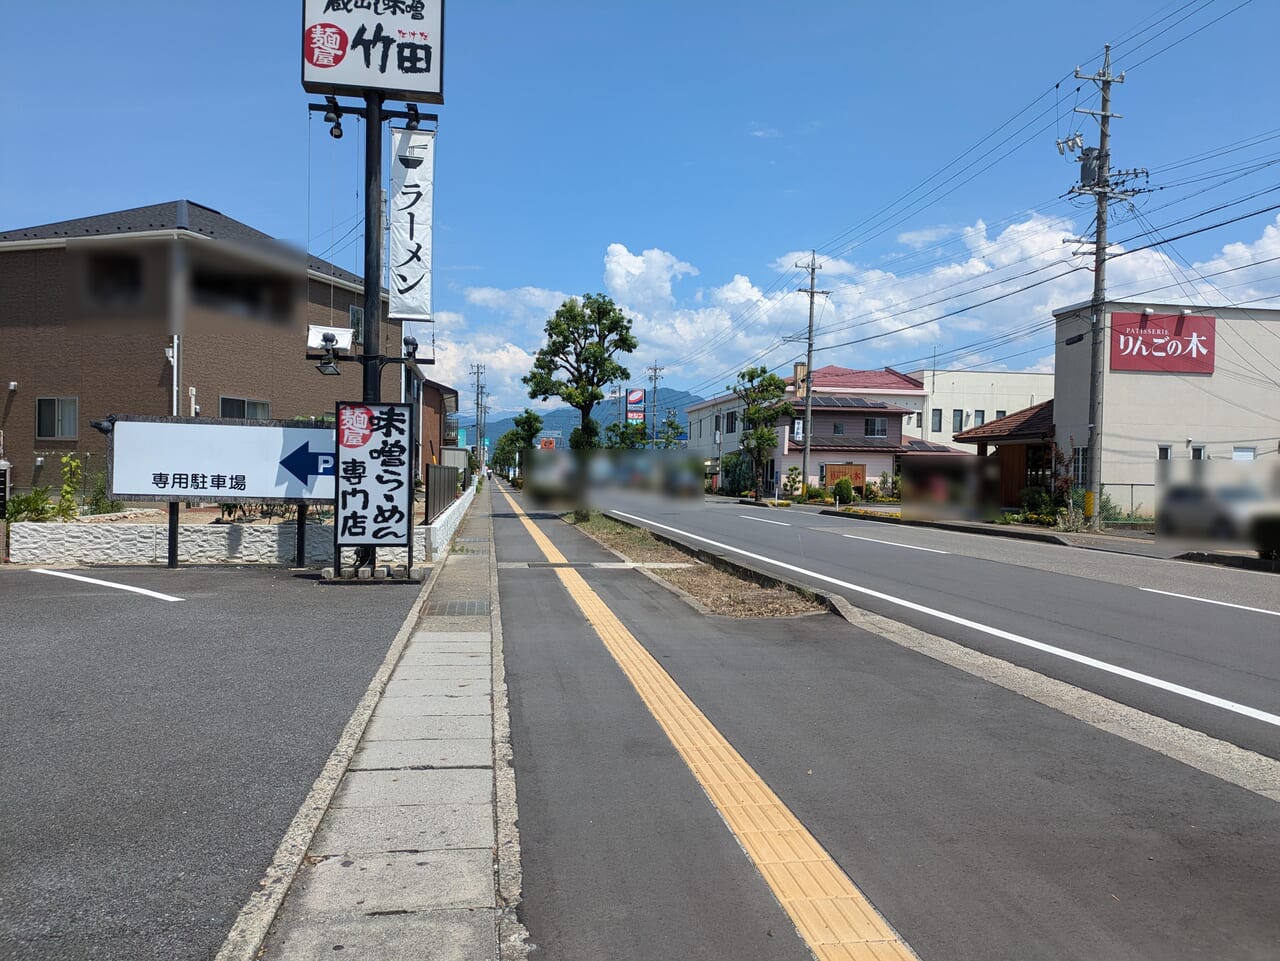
[577, 360]
[528, 427]
[762, 396]
[504, 451]
[625, 435]
[670, 431]
[72, 478]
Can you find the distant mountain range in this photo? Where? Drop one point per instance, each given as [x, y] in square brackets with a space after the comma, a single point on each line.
[565, 419]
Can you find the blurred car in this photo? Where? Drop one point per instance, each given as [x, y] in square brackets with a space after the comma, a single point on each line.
[1233, 512]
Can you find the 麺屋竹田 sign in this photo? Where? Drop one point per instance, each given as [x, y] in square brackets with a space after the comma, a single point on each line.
[374, 502]
[1165, 343]
[395, 46]
[208, 459]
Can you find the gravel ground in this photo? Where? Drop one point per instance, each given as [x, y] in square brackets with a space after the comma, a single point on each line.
[718, 591]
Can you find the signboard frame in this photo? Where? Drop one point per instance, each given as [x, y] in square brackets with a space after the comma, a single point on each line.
[344, 14]
[346, 472]
[1152, 338]
[224, 495]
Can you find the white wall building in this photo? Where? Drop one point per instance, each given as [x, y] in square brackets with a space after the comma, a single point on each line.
[1178, 383]
[960, 399]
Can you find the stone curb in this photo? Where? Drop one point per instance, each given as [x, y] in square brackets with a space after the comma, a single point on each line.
[249, 931]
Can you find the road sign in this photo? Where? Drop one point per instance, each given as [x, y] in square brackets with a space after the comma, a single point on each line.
[351, 48]
[222, 460]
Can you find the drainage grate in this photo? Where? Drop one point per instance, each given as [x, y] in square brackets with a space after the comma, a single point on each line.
[457, 608]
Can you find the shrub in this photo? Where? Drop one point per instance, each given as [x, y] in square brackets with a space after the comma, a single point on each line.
[72, 477]
[100, 501]
[1036, 500]
[815, 494]
[843, 490]
[36, 506]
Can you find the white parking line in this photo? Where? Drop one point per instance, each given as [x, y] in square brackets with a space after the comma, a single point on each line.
[94, 580]
[1205, 600]
[909, 547]
[1188, 692]
[748, 517]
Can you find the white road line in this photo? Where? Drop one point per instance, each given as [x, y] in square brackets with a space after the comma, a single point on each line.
[748, 517]
[909, 547]
[93, 580]
[1205, 600]
[1147, 679]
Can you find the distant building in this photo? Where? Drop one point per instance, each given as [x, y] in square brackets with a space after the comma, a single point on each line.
[858, 418]
[958, 400]
[91, 308]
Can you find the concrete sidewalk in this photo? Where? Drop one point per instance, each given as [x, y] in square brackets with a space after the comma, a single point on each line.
[417, 856]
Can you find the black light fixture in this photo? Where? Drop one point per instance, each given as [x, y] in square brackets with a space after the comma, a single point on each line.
[329, 342]
[412, 122]
[411, 347]
[333, 116]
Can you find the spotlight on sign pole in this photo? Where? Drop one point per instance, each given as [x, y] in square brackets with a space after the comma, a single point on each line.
[411, 347]
[336, 131]
[327, 366]
[412, 122]
[334, 112]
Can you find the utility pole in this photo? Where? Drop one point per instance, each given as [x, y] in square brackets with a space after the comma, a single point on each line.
[477, 371]
[813, 267]
[1096, 178]
[655, 373]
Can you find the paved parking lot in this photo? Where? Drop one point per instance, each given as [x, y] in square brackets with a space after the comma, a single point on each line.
[154, 751]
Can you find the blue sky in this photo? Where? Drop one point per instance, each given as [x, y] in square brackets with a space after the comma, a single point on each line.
[683, 156]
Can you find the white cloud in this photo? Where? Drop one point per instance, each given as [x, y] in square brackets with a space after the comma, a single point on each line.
[925, 236]
[643, 280]
[766, 133]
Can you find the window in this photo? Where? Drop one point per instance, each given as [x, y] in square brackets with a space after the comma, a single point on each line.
[1244, 453]
[1197, 453]
[243, 409]
[717, 427]
[797, 428]
[355, 320]
[936, 425]
[731, 422]
[999, 414]
[957, 421]
[919, 418]
[1164, 452]
[837, 428]
[979, 418]
[56, 417]
[876, 427]
[1080, 466]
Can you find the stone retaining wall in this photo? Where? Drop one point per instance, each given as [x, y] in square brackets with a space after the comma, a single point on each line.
[123, 543]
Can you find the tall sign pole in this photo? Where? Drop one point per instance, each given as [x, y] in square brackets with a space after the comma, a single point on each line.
[372, 359]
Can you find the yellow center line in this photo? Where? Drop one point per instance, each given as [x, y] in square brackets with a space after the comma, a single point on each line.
[832, 915]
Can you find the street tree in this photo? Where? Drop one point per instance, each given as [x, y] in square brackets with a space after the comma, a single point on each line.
[527, 428]
[578, 359]
[625, 435]
[669, 433]
[503, 457]
[762, 395]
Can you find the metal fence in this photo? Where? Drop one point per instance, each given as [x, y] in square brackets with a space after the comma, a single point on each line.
[442, 489]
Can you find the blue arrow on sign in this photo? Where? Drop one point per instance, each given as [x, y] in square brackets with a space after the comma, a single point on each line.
[305, 463]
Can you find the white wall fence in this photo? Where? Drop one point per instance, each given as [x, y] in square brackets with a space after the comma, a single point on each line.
[124, 543]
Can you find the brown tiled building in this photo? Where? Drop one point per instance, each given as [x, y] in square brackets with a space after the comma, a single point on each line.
[1024, 449]
[171, 308]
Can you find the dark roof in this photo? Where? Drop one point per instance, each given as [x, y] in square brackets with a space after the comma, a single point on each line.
[828, 402]
[1030, 423]
[173, 215]
[882, 445]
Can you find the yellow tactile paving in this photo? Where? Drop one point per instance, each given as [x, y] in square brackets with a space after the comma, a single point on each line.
[835, 919]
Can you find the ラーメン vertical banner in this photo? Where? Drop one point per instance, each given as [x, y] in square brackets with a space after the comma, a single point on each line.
[374, 483]
[409, 257]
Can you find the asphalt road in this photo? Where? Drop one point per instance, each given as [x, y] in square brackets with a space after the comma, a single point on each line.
[982, 824]
[1176, 623]
[155, 752]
